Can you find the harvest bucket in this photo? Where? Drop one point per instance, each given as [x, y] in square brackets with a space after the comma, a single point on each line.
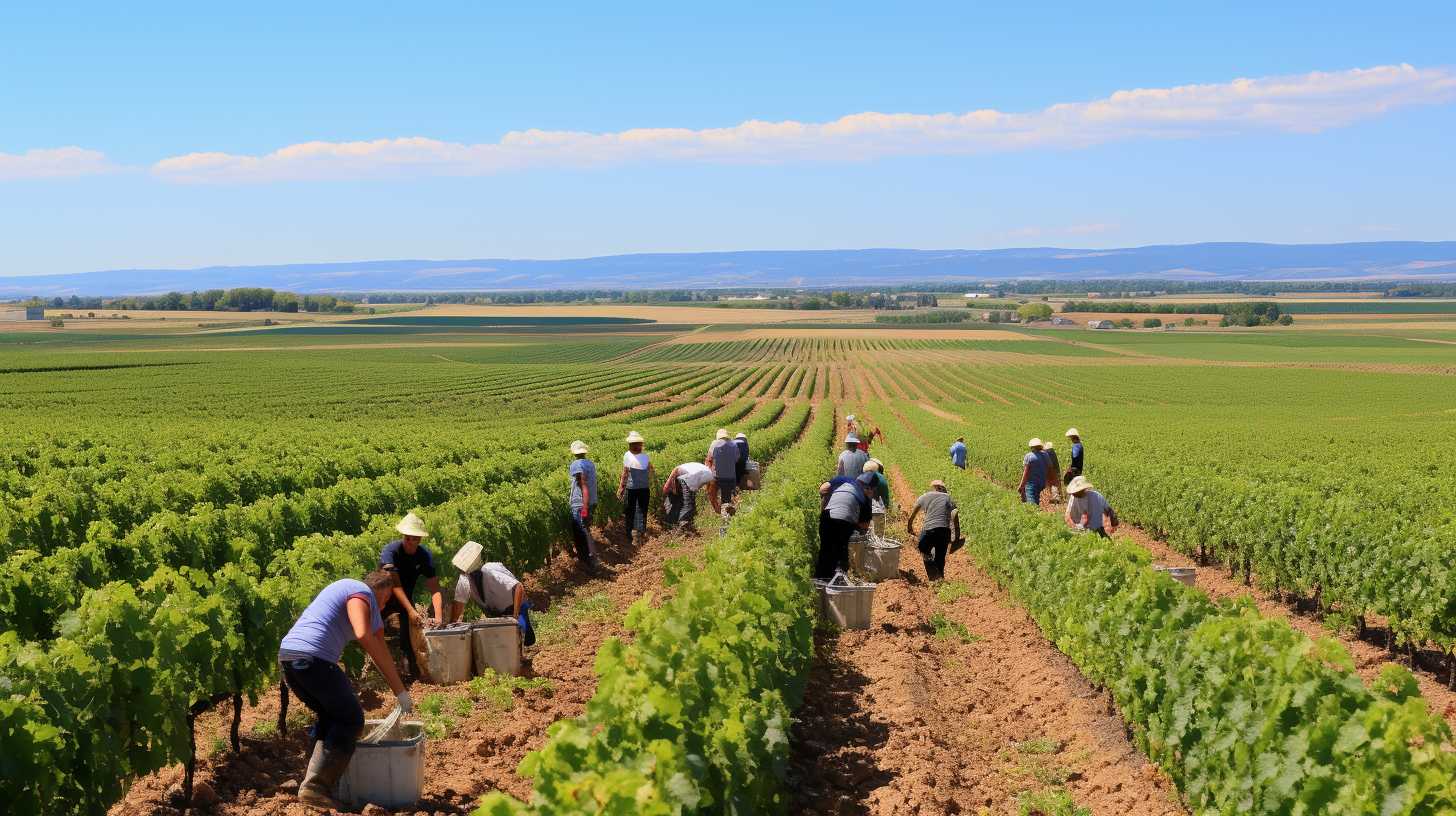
[881, 559]
[449, 655]
[752, 476]
[389, 773]
[844, 604]
[1187, 576]
[497, 645]
[857, 541]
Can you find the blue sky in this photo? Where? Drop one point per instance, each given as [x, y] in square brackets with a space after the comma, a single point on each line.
[175, 111]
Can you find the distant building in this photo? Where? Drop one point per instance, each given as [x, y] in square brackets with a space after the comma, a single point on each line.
[1099, 324]
[16, 314]
[1093, 295]
[977, 295]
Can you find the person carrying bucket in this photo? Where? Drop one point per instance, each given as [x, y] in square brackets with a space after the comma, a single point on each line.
[492, 587]
[635, 486]
[583, 501]
[879, 492]
[309, 655]
[411, 560]
[1086, 507]
[940, 528]
[845, 508]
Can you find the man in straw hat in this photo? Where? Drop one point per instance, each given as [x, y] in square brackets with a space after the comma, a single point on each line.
[492, 587]
[634, 487]
[940, 528]
[958, 452]
[1078, 452]
[583, 501]
[851, 459]
[408, 558]
[1086, 507]
[1033, 473]
[309, 656]
[723, 459]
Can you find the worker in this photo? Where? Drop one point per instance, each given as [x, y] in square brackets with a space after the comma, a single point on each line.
[723, 459]
[1054, 467]
[942, 525]
[583, 500]
[1086, 507]
[866, 437]
[634, 488]
[741, 442]
[958, 452]
[1033, 473]
[851, 459]
[851, 425]
[410, 559]
[845, 508]
[493, 588]
[879, 492]
[680, 493]
[1078, 452]
[309, 656]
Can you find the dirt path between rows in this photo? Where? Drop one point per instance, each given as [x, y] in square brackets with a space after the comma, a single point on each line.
[487, 738]
[954, 702]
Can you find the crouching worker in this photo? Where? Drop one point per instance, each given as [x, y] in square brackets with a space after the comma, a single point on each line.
[845, 508]
[680, 493]
[1086, 507]
[309, 655]
[408, 558]
[491, 587]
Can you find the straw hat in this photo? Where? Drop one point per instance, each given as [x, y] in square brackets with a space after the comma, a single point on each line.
[1034, 443]
[634, 437]
[411, 525]
[1078, 484]
[934, 483]
[578, 447]
[469, 558]
[1073, 432]
[1047, 444]
[870, 467]
[851, 438]
[741, 435]
[722, 433]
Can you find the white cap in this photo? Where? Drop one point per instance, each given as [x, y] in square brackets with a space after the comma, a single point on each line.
[411, 525]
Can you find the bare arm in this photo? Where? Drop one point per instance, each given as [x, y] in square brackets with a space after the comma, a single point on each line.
[404, 601]
[910, 522]
[1025, 474]
[373, 643]
[437, 598]
[456, 610]
[519, 597]
[622, 484]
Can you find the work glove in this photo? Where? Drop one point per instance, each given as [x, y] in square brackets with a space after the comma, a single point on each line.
[405, 703]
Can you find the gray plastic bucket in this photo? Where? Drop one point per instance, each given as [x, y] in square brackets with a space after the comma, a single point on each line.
[388, 773]
[881, 559]
[496, 643]
[847, 606]
[449, 655]
[1187, 576]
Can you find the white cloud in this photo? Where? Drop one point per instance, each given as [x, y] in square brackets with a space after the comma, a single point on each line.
[53, 162]
[1302, 104]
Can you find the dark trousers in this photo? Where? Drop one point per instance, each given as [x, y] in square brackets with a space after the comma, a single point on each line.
[406, 645]
[726, 489]
[637, 498]
[682, 506]
[322, 687]
[833, 546]
[581, 534]
[1072, 473]
[933, 546]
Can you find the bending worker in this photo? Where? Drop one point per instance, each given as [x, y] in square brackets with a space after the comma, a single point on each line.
[940, 528]
[491, 587]
[410, 559]
[1033, 473]
[1086, 507]
[681, 492]
[635, 486]
[879, 492]
[958, 452]
[845, 509]
[309, 656]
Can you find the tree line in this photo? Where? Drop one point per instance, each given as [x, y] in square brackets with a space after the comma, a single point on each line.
[242, 299]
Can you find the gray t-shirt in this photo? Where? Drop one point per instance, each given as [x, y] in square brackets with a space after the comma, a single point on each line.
[843, 504]
[852, 462]
[1092, 504]
[936, 507]
[725, 458]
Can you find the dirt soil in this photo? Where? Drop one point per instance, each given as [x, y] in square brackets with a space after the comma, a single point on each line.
[486, 741]
[917, 715]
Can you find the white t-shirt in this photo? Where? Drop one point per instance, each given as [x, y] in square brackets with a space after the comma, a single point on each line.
[695, 475]
[500, 588]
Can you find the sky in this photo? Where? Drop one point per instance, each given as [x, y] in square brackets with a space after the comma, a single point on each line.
[170, 135]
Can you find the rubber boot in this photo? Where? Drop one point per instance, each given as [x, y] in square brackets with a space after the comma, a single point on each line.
[325, 768]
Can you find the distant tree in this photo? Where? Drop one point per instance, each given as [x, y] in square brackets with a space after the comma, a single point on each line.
[1152, 323]
[1125, 323]
[1188, 321]
[1286, 319]
[285, 302]
[1034, 311]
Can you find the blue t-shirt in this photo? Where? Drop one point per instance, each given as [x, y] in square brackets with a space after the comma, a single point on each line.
[409, 567]
[1037, 462]
[588, 467]
[323, 630]
[1077, 455]
[958, 454]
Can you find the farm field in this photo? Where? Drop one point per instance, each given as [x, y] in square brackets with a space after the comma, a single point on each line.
[172, 500]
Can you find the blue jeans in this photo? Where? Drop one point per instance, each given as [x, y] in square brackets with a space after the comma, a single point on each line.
[322, 687]
[1033, 493]
[581, 532]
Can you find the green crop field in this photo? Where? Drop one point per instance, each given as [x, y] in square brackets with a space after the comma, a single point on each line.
[172, 501]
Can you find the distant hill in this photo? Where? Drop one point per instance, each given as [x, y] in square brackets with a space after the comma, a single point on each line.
[1388, 260]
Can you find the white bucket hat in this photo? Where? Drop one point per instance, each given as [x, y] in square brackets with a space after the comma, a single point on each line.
[411, 525]
[1073, 432]
[1033, 443]
[1078, 484]
[851, 438]
[1047, 444]
[741, 435]
[722, 433]
[578, 447]
[634, 437]
[469, 557]
[870, 467]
